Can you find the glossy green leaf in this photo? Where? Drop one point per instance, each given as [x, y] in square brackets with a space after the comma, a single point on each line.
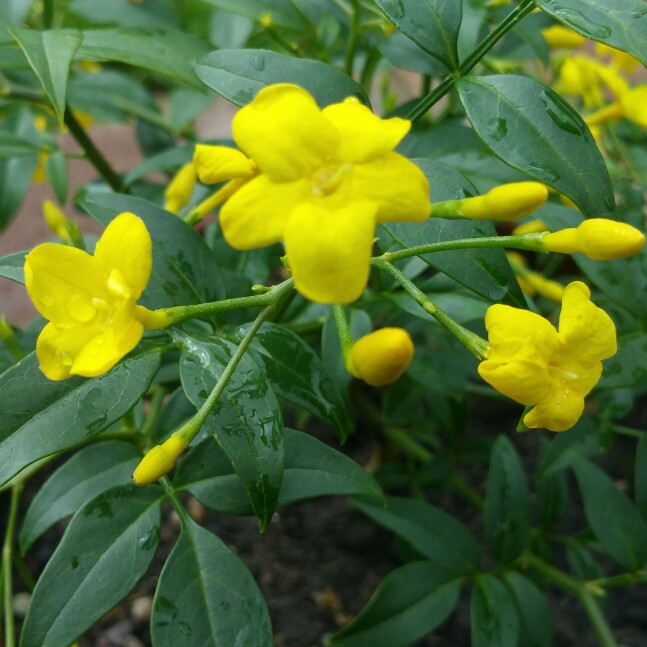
[16, 173]
[239, 74]
[407, 605]
[39, 417]
[312, 469]
[298, 376]
[13, 146]
[533, 609]
[57, 173]
[640, 479]
[11, 267]
[483, 271]
[50, 53]
[619, 23]
[166, 52]
[91, 471]
[495, 622]
[403, 52]
[506, 514]
[184, 269]
[582, 562]
[432, 24]
[436, 535]
[124, 13]
[106, 549]
[246, 420]
[531, 128]
[283, 12]
[613, 518]
[628, 367]
[553, 499]
[206, 596]
[14, 12]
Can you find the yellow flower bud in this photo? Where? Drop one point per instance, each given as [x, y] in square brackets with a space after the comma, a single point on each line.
[598, 238]
[558, 37]
[381, 357]
[506, 202]
[159, 461]
[179, 191]
[531, 227]
[546, 288]
[55, 219]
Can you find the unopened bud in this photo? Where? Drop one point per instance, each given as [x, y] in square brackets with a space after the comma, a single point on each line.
[178, 193]
[56, 220]
[159, 461]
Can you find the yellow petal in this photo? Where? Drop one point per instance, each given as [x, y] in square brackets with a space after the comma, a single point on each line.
[178, 192]
[398, 187]
[561, 37]
[364, 136]
[285, 133]
[558, 411]
[257, 214]
[61, 281]
[381, 357]
[329, 250]
[587, 332]
[57, 348]
[215, 164]
[524, 381]
[126, 246]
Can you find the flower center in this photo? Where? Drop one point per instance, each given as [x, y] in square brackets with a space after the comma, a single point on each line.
[326, 180]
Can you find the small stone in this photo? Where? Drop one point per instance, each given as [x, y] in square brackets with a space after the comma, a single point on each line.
[141, 608]
[196, 510]
[21, 604]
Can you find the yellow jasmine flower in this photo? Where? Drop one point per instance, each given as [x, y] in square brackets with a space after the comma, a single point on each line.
[559, 37]
[535, 365]
[579, 76]
[381, 357]
[620, 60]
[90, 301]
[178, 193]
[597, 238]
[317, 179]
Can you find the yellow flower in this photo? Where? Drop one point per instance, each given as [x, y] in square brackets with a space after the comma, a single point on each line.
[532, 363]
[159, 461]
[597, 238]
[56, 220]
[505, 202]
[620, 60]
[381, 357]
[319, 180]
[90, 301]
[558, 37]
[178, 193]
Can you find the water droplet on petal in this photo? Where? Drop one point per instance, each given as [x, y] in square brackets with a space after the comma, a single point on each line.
[66, 359]
[80, 307]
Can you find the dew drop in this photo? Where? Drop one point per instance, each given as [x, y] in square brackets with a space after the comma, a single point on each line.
[66, 359]
[498, 128]
[258, 63]
[394, 8]
[80, 307]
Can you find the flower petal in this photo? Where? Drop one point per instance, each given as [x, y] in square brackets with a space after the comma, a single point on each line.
[256, 215]
[126, 246]
[285, 133]
[396, 184]
[587, 332]
[221, 163]
[558, 411]
[329, 250]
[364, 136]
[61, 282]
[524, 381]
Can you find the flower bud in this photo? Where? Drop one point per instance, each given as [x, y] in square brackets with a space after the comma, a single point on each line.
[597, 238]
[546, 288]
[178, 193]
[634, 105]
[558, 37]
[56, 220]
[159, 461]
[381, 357]
[505, 202]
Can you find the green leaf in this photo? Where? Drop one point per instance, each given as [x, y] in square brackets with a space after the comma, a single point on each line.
[495, 622]
[13, 146]
[483, 271]
[628, 367]
[619, 23]
[11, 267]
[184, 269]
[407, 605]
[531, 128]
[298, 376]
[39, 417]
[533, 609]
[506, 514]
[433, 533]
[239, 74]
[50, 53]
[89, 472]
[206, 596]
[56, 169]
[166, 52]
[283, 12]
[125, 14]
[640, 479]
[552, 498]
[246, 420]
[14, 12]
[312, 469]
[432, 24]
[167, 161]
[106, 549]
[613, 518]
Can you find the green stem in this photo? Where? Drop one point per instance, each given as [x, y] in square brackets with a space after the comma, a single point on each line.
[178, 314]
[175, 502]
[152, 417]
[628, 431]
[353, 39]
[346, 340]
[597, 619]
[475, 344]
[529, 242]
[7, 567]
[368, 71]
[627, 579]
[466, 491]
[92, 152]
[522, 10]
[407, 444]
[48, 13]
[24, 571]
